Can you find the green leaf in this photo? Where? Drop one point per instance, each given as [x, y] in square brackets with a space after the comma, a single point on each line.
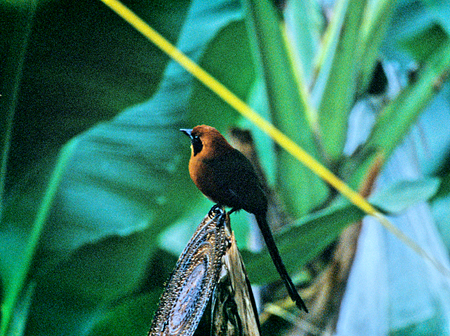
[441, 213]
[304, 22]
[376, 20]
[400, 195]
[228, 58]
[14, 271]
[83, 65]
[132, 317]
[425, 42]
[412, 18]
[334, 90]
[299, 187]
[397, 117]
[22, 309]
[264, 145]
[17, 22]
[444, 189]
[302, 241]
[440, 11]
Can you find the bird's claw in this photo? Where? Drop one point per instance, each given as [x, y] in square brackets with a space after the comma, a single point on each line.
[216, 210]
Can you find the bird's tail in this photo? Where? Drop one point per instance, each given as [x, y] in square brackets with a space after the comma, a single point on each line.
[276, 258]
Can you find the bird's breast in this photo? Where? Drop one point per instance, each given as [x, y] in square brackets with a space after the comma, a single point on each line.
[203, 175]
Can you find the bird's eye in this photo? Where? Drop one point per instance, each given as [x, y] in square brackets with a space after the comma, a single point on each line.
[196, 144]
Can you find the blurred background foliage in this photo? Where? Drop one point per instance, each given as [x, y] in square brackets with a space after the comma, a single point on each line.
[96, 202]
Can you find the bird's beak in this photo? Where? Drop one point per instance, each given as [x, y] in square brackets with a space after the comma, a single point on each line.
[187, 131]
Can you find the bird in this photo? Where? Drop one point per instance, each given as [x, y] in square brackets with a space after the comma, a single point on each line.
[226, 177]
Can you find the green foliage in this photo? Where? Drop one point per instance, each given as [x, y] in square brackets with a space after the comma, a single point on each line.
[337, 76]
[94, 170]
[131, 317]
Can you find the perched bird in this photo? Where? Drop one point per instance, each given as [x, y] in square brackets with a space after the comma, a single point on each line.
[226, 177]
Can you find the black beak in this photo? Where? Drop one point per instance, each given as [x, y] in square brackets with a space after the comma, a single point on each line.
[187, 131]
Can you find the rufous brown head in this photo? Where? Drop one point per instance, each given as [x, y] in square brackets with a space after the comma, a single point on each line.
[206, 139]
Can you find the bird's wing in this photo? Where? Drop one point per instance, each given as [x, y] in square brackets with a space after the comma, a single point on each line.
[237, 178]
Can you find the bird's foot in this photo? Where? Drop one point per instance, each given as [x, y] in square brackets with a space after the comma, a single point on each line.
[216, 210]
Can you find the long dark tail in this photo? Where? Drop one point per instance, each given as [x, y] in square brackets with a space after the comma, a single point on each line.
[273, 250]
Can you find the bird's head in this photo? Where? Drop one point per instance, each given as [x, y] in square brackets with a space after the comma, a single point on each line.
[206, 139]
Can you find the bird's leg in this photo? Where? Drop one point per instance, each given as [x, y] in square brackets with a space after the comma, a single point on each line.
[222, 217]
[232, 210]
